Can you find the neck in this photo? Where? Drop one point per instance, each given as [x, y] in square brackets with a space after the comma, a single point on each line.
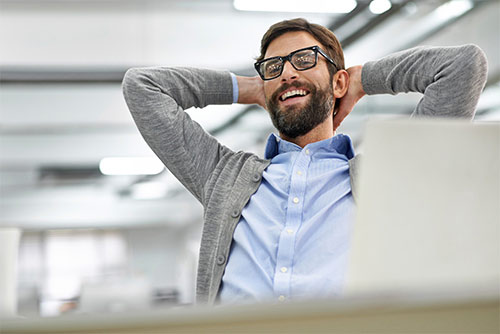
[321, 132]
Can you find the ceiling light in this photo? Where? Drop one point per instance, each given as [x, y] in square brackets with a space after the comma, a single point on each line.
[453, 9]
[149, 190]
[296, 6]
[131, 166]
[380, 6]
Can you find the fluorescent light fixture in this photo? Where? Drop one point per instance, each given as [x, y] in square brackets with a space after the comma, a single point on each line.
[380, 6]
[453, 9]
[296, 6]
[149, 190]
[131, 166]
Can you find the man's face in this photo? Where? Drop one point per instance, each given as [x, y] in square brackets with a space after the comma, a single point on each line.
[297, 115]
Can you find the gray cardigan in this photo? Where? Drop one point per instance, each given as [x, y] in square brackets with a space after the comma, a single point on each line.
[450, 78]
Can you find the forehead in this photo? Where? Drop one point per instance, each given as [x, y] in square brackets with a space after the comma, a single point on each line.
[290, 41]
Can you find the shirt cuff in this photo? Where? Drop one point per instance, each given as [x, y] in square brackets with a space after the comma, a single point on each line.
[235, 88]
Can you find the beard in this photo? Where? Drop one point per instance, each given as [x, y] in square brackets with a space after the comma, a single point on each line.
[294, 121]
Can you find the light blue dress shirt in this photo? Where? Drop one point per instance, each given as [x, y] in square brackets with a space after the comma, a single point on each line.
[293, 236]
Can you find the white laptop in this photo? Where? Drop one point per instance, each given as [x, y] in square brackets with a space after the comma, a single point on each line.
[428, 211]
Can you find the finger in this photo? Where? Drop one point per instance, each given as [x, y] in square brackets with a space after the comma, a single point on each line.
[344, 109]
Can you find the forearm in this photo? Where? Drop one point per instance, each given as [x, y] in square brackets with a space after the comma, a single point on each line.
[186, 87]
[451, 78]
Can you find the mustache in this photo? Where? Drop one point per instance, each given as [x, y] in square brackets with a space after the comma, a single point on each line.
[295, 84]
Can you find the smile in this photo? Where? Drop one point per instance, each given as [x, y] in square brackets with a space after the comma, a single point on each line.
[293, 93]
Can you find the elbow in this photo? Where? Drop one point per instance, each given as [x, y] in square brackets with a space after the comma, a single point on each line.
[130, 81]
[129, 86]
[135, 84]
[472, 72]
[476, 64]
[137, 80]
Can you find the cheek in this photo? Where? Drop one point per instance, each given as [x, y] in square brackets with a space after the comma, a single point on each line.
[322, 77]
[327, 84]
[269, 89]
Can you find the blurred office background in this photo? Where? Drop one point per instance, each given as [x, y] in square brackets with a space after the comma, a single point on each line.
[99, 232]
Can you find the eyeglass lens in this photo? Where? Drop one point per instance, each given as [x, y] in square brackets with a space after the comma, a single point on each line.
[301, 60]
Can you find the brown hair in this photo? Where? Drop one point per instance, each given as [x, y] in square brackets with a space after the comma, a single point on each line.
[320, 33]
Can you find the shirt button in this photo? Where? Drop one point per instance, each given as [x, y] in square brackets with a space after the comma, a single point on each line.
[284, 269]
[235, 213]
[296, 200]
[290, 231]
[307, 151]
[281, 298]
[299, 172]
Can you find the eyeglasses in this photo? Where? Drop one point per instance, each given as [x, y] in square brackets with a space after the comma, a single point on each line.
[301, 60]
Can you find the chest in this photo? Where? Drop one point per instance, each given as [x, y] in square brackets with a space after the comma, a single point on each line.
[294, 228]
[295, 183]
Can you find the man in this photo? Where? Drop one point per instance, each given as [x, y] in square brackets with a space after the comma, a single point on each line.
[278, 228]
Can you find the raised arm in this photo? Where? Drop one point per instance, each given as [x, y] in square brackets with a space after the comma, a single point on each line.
[451, 79]
[157, 98]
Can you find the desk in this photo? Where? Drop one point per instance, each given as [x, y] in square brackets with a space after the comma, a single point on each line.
[396, 314]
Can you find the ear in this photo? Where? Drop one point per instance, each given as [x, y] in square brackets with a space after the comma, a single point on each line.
[340, 83]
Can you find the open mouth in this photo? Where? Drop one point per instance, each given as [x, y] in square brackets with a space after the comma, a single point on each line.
[293, 94]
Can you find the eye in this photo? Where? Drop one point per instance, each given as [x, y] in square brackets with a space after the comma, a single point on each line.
[304, 59]
[272, 67]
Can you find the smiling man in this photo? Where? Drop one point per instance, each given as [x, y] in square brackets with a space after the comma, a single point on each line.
[279, 228]
[307, 97]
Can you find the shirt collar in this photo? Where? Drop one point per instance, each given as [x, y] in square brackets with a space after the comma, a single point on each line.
[340, 144]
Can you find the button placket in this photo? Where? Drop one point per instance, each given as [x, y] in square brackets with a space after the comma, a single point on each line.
[285, 256]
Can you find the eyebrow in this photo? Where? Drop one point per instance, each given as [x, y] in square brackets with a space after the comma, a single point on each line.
[305, 47]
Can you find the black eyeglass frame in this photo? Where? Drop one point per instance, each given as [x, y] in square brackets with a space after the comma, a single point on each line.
[315, 48]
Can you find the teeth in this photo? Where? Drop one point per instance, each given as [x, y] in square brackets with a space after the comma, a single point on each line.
[292, 93]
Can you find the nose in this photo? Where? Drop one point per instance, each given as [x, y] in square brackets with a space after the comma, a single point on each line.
[289, 72]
